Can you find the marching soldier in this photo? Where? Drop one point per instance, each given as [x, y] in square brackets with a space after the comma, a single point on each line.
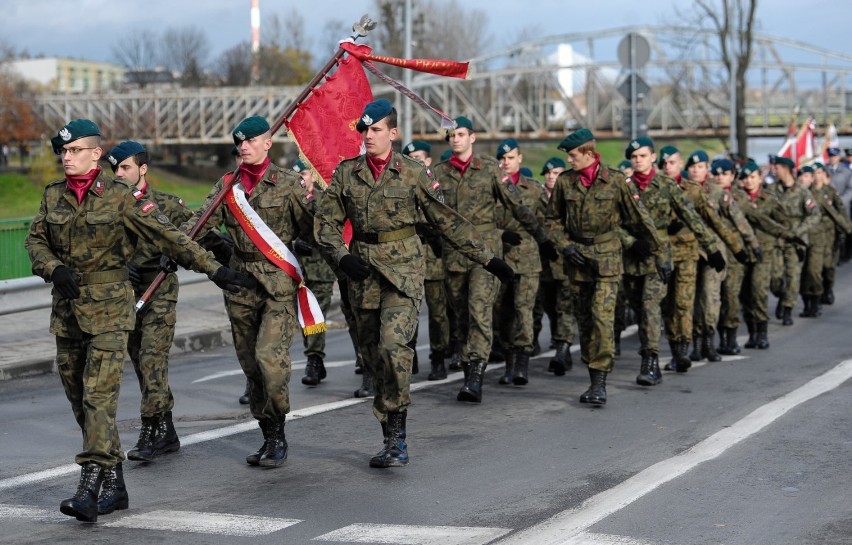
[81, 240]
[830, 196]
[266, 208]
[588, 206]
[380, 193]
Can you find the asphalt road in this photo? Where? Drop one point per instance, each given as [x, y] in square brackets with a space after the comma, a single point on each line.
[752, 450]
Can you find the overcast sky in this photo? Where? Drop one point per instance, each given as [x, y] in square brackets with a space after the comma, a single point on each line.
[88, 29]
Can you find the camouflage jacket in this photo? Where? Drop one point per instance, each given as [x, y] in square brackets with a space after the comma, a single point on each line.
[834, 216]
[800, 209]
[685, 242]
[282, 202]
[590, 218]
[388, 207]
[96, 239]
[523, 258]
[315, 266]
[477, 196]
[765, 214]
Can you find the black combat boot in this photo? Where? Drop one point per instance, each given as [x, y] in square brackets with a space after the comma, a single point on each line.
[646, 376]
[762, 338]
[166, 438]
[395, 451]
[522, 366]
[561, 361]
[752, 335]
[733, 347]
[509, 371]
[113, 494]
[816, 306]
[244, 399]
[827, 296]
[596, 394]
[808, 311]
[276, 444]
[787, 316]
[367, 388]
[144, 449]
[455, 357]
[253, 459]
[695, 355]
[682, 360]
[83, 505]
[472, 388]
[436, 359]
[723, 342]
[314, 371]
[708, 346]
[779, 310]
[672, 364]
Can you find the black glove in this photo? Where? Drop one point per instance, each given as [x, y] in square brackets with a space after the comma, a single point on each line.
[716, 261]
[795, 240]
[65, 283]
[229, 279]
[641, 249]
[133, 273]
[511, 238]
[664, 269]
[168, 264]
[548, 251]
[500, 269]
[801, 253]
[741, 256]
[302, 248]
[675, 226]
[574, 256]
[758, 254]
[435, 244]
[354, 267]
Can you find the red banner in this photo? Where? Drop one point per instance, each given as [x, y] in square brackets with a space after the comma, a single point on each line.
[453, 69]
[324, 125]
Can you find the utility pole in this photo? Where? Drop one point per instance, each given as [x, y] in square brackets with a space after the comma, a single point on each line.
[255, 41]
[406, 75]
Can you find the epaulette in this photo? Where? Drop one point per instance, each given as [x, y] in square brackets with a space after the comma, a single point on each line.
[125, 183]
[62, 181]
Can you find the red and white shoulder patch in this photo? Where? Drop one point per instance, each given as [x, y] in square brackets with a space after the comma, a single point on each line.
[138, 194]
[180, 201]
[810, 203]
[147, 207]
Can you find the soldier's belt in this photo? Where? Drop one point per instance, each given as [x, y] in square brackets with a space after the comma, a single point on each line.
[248, 257]
[485, 227]
[103, 277]
[590, 241]
[385, 236]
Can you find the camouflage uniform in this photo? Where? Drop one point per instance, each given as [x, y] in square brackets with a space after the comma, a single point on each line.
[95, 239]
[728, 313]
[843, 226]
[555, 299]
[386, 304]
[589, 219]
[833, 219]
[477, 195]
[263, 317]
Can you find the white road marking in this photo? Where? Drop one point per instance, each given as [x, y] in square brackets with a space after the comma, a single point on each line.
[204, 523]
[32, 513]
[414, 535]
[569, 526]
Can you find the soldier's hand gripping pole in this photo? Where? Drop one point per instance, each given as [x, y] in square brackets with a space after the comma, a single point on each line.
[359, 29]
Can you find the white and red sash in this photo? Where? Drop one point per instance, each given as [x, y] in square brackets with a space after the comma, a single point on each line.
[310, 314]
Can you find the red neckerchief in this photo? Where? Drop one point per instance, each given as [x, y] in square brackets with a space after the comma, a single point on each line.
[516, 177]
[460, 165]
[679, 179]
[377, 165]
[642, 180]
[80, 184]
[753, 196]
[144, 188]
[588, 174]
[250, 175]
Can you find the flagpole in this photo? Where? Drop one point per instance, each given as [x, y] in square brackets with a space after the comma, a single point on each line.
[359, 29]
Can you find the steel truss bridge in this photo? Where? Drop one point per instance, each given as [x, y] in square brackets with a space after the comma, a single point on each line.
[529, 91]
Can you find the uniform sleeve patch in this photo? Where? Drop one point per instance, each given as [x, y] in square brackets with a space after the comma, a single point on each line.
[636, 196]
[309, 196]
[162, 219]
[138, 194]
[302, 183]
[180, 201]
[436, 185]
[147, 207]
[429, 172]
[810, 203]
[727, 197]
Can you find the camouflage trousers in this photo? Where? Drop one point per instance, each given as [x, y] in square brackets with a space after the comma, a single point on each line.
[514, 312]
[792, 276]
[620, 321]
[262, 329]
[645, 293]
[472, 295]
[384, 335]
[755, 291]
[148, 346]
[349, 316]
[708, 298]
[679, 301]
[91, 370]
[831, 262]
[556, 300]
[435, 294]
[595, 311]
[315, 344]
[729, 312]
[812, 280]
[776, 270]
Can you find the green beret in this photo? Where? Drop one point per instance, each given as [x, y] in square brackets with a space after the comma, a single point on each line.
[79, 128]
[747, 169]
[122, 151]
[526, 172]
[665, 153]
[373, 112]
[464, 123]
[249, 128]
[636, 143]
[806, 168]
[417, 145]
[299, 165]
[446, 155]
[697, 156]
[625, 164]
[786, 161]
[553, 162]
[575, 140]
[818, 166]
[505, 147]
[720, 166]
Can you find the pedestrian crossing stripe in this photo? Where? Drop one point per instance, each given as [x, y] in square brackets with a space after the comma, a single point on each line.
[414, 535]
[224, 524]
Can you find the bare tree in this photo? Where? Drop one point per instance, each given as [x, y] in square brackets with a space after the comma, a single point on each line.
[333, 31]
[184, 51]
[234, 65]
[138, 53]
